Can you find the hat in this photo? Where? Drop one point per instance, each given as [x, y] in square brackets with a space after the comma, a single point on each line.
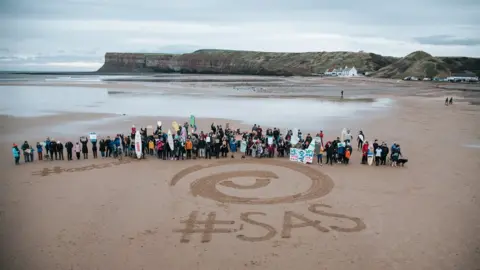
[14, 144]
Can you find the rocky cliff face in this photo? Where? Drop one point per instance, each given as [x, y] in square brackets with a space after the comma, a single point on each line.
[242, 62]
[284, 64]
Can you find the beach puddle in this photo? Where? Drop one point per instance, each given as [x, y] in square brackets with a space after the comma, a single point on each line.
[282, 112]
[476, 146]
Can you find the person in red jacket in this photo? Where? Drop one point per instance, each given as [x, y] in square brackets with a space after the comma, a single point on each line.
[321, 136]
[365, 152]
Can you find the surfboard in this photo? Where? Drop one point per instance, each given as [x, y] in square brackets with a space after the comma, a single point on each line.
[243, 146]
[192, 122]
[138, 144]
[184, 134]
[343, 134]
[170, 140]
[370, 155]
[294, 140]
[175, 126]
[360, 136]
[270, 140]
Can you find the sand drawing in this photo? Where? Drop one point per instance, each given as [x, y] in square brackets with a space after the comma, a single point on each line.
[291, 220]
[59, 170]
[206, 187]
[207, 231]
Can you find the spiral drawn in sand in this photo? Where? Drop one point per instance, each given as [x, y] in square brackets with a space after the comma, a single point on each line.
[206, 187]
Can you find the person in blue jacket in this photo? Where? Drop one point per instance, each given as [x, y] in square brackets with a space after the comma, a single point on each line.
[40, 151]
[16, 154]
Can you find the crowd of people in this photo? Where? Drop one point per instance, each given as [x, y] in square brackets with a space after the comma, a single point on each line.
[218, 143]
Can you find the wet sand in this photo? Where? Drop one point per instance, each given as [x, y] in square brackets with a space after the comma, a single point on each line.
[256, 214]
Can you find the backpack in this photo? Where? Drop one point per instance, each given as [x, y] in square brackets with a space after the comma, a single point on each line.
[347, 154]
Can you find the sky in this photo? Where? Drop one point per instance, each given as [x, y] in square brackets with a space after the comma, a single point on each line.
[74, 35]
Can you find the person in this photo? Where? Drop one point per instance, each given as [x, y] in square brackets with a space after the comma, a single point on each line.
[224, 149]
[347, 155]
[16, 154]
[53, 149]
[188, 148]
[109, 146]
[321, 136]
[48, 151]
[60, 150]
[318, 153]
[77, 150]
[341, 94]
[160, 146]
[330, 150]
[360, 139]
[151, 147]
[102, 146]
[446, 101]
[348, 137]
[39, 151]
[378, 155]
[26, 151]
[384, 147]
[375, 146]
[94, 150]
[451, 101]
[201, 147]
[32, 151]
[365, 152]
[341, 152]
[69, 147]
[84, 142]
[396, 154]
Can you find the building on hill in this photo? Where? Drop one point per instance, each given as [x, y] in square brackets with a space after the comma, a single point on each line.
[466, 76]
[329, 72]
[342, 72]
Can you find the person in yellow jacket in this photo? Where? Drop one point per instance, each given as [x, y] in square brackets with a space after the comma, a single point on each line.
[188, 148]
[319, 150]
[151, 147]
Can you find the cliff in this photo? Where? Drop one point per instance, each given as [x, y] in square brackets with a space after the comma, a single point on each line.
[242, 62]
[283, 64]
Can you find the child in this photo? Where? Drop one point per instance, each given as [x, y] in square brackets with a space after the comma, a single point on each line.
[77, 150]
[151, 147]
[31, 153]
[16, 154]
[39, 151]
[347, 156]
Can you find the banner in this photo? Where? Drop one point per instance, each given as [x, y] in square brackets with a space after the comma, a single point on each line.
[243, 146]
[302, 156]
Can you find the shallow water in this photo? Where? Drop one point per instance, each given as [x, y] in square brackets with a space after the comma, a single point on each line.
[43, 100]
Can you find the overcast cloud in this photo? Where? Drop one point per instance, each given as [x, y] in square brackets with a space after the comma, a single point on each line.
[75, 34]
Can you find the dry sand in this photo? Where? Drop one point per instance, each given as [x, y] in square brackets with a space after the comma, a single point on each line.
[256, 214]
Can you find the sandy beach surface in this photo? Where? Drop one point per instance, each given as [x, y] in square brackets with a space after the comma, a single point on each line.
[250, 213]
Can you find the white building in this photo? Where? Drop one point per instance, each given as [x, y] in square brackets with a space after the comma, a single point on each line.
[349, 72]
[342, 72]
[466, 76]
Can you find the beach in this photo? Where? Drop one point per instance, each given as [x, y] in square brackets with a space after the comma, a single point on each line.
[242, 213]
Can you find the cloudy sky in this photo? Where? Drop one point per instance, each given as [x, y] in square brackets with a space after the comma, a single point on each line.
[75, 34]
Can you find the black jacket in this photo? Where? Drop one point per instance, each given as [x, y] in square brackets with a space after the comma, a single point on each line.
[69, 146]
[53, 146]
